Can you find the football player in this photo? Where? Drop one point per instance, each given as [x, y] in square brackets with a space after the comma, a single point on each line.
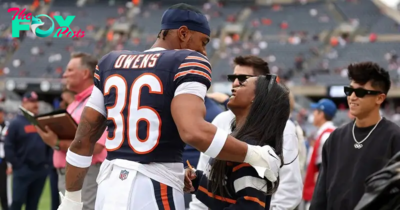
[152, 104]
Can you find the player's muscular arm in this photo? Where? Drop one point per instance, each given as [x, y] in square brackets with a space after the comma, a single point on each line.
[188, 111]
[64, 144]
[90, 129]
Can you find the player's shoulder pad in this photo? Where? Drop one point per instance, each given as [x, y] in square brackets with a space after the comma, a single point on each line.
[193, 65]
[191, 56]
[186, 52]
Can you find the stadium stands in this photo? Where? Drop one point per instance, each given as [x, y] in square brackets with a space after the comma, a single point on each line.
[356, 52]
[363, 12]
[312, 18]
[281, 56]
[46, 57]
[288, 36]
[49, 55]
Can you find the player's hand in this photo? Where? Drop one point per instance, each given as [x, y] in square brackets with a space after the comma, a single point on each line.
[9, 170]
[266, 162]
[68, 204]
[48, 136]
[189, 176]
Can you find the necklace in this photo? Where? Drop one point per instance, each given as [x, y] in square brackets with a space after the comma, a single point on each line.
[358, 144]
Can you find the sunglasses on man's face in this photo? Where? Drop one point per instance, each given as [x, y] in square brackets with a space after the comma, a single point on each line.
[240, 77]
[360, 92]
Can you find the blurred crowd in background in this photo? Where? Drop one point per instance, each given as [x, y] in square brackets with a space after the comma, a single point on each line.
[306, 43]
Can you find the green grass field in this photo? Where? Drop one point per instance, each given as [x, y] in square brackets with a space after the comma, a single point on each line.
[45, 200]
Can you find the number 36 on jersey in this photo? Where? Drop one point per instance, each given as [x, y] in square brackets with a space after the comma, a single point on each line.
[136, 113]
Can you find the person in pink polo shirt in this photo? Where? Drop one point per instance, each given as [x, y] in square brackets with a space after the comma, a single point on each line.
[79, 79]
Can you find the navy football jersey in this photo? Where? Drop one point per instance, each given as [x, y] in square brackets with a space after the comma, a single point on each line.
[138, 88]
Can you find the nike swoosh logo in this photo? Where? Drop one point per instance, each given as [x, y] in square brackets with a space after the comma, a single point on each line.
[269, 152]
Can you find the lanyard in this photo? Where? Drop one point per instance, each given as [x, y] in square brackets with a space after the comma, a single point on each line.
[79, 105]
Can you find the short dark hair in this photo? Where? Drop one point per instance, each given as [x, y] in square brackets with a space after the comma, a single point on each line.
[259, 65]
[87, 60]
[364, 72]
[327, 117]
[162, 34]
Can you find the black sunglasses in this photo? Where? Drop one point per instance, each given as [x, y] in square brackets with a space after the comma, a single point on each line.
[240, 77]
[360, 92]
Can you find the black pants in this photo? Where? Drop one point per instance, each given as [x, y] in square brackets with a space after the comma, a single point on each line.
[3, 185]
[55, 197]
[27, 187]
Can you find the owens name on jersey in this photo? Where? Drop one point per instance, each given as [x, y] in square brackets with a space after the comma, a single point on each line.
[137, 89]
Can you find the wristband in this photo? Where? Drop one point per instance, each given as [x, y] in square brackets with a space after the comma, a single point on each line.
[57, 146]
[217, 143]
[79, 161]
[75, 196]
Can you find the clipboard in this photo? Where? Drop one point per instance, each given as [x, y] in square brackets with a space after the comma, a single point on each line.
[30, 117]
[60, 122]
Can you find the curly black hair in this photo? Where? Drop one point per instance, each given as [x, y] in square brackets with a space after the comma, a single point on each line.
[364, 72]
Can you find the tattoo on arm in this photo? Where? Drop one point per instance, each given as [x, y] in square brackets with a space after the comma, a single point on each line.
[90, 129]
[74, 177]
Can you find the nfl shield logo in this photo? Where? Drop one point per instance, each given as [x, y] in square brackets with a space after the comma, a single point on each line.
[124, 174]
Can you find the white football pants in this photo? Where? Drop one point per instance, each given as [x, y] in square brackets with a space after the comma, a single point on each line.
[127, 189]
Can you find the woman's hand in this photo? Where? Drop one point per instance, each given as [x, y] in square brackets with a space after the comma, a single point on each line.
[189, 176]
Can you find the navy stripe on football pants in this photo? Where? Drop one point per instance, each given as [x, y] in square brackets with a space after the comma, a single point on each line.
[163, 195]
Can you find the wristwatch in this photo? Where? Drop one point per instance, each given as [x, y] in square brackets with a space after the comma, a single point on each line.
[57, 146]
